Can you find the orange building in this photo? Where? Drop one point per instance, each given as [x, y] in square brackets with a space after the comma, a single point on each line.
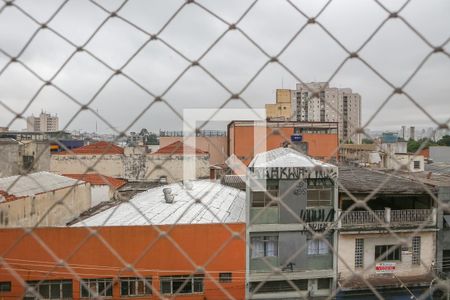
[321, 138]
[192, 258]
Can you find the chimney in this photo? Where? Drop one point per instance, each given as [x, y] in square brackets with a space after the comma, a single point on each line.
[168, 197]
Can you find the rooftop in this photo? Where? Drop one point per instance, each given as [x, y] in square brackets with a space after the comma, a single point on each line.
[363, 180]
[179, 148]
[206, 202]
[15, 187]
[285, 158]
[98, 179]
[96, 148]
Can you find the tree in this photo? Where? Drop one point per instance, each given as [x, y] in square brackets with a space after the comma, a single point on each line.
[367, 141]
[445, 141]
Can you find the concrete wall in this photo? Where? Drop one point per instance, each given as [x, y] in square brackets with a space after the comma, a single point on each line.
[346, 250]
[109, 165]
[173, 167]
[12, 156]
[406, 159]
[216, 146]
[28, 211]
[100, 193]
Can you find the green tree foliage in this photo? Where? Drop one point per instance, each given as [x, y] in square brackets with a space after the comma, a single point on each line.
[367, 141]
[445, 141]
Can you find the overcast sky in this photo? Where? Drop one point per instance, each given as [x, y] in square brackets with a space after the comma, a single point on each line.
[395, 52]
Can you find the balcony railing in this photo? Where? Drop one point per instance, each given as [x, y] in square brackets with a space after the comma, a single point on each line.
[388, 217]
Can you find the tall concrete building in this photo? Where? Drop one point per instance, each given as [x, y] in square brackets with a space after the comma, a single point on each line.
[282, 109]
[318, 102]
[43, 123]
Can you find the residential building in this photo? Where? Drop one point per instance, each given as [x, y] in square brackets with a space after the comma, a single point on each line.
[41, 199]
[131, 163]
[318, 102]
[43, 123]
[191, 247]
[389, 242]
[212, 141]
[317, 139]
[103, 187]
[282, 109]
[291, 199]
[23, 157]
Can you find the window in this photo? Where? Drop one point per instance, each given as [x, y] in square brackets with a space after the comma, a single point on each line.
[323, 283]
[182, 284]
[417, 164]
[317, 247]
[5, 286]
[49, 289]
[359, 253]
[278, 286]
[262, 199]
[416, 250]
[446, 261]
[320, 192]
[93, 288]
[387, 252]
[264, 246]
[225, 277]
[135, 286]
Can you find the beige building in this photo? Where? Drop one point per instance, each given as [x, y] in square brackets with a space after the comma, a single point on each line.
[23, 157]
[318, 102]
[42, 199]
[130, 163]
[43, 123]
[282, 109]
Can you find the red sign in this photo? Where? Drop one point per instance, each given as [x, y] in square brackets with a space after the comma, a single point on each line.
[385, 267]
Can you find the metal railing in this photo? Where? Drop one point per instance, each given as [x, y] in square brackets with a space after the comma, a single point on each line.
[413, 217]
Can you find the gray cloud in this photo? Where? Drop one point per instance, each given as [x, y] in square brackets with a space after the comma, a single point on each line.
[395, 52]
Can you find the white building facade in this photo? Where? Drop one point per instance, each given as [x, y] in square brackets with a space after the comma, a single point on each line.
[43, 123]
[318, 102]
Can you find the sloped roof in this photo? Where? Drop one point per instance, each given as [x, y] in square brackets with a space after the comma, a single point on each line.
[150, 208]
[97, 179]
[96, 148]
[362, 180]
[179, 148]
[15, 187]
[285, 158]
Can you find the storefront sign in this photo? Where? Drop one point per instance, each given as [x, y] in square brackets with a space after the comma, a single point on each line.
[385, 267]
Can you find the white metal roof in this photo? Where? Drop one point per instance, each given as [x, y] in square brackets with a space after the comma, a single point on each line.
[35, 183]
[219, 204]
[285, 158]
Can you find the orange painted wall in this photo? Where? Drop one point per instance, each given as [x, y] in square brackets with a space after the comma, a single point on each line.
[151, 255]
[321, 146]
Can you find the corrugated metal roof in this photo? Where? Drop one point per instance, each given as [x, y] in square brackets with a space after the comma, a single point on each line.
[285, 158]
[31, 184]
[150, 208]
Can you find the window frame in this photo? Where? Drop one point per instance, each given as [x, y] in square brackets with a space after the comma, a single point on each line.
[6, 284]
[265, 240]
[225, 277]
[359, 253]
[38, 285]
[108, 282]
[396, 250]
[416, 250]
[272, 189]
[321, 187]
[317, 247]
[147, 286]
[194, 280]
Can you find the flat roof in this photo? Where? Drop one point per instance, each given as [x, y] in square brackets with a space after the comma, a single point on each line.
[275, 124]
[207, 202]
[31, 184]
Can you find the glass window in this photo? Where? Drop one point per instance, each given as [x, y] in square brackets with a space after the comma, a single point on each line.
[5, 286]
[182, 284]
[416, 250]
[317, 247]
[225, 277]
[387, 252]
[359, 253]
[93, 288]
[264, 246]
[135, 286]
[323, 283]
[265, 198]
[49, 289]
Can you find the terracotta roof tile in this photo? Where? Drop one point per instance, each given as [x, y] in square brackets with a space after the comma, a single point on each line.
[96, 148]
[178, 148]
[97, 179]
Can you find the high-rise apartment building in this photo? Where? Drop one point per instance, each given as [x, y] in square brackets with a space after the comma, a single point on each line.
[318, 102]
[43, 123]
[282, 109]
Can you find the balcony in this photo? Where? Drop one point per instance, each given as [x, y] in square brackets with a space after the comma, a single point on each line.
[388, 218]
